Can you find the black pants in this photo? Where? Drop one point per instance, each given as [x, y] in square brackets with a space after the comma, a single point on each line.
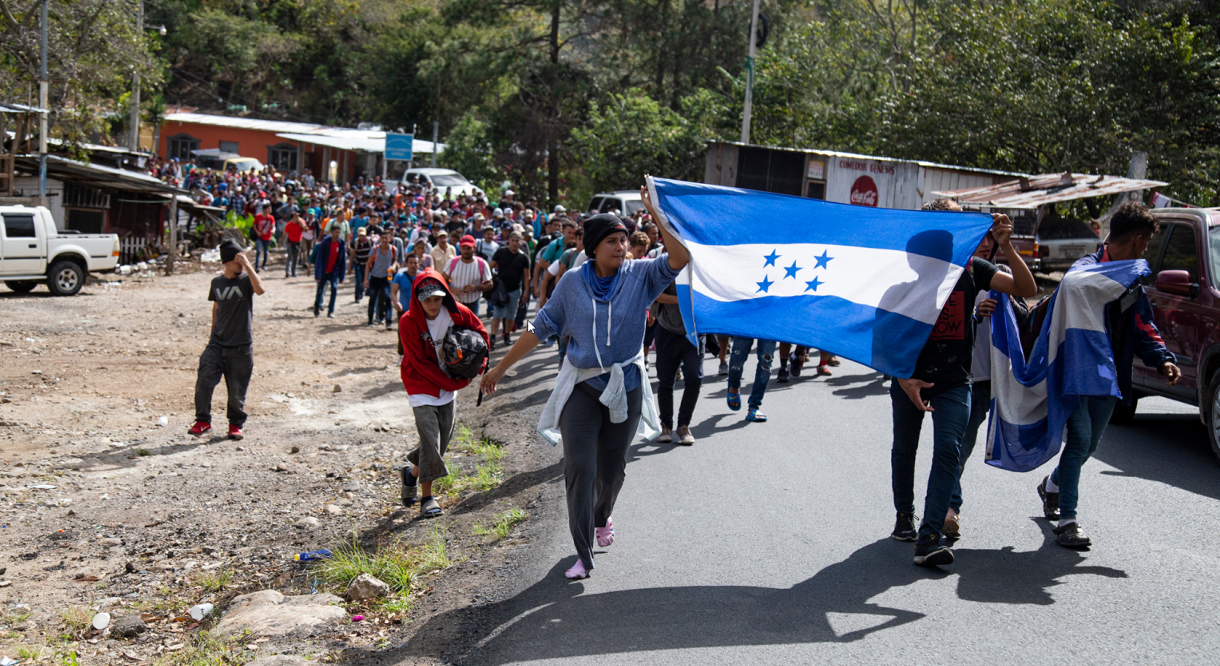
[379, 299]
[675, 351]
[594, 461]
[235, 364]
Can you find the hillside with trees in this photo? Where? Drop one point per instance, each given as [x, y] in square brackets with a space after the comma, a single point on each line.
[564, 97]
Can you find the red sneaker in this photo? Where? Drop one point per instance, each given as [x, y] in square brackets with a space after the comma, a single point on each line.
[235, 432]
[199, 428]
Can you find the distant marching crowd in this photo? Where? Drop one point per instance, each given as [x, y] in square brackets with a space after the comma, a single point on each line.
[434, 262]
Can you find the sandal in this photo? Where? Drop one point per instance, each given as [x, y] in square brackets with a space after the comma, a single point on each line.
[430, 509]
[605, 535]
[577, 572]
[756, 416]
[410, 486]
[734, 401]
[824, 371]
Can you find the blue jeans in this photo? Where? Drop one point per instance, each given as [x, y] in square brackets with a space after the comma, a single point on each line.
[333, 281]
[358, 273]
[952, 412]
[1084, 429]
[980, 404]
[261, 249]
[762, 374]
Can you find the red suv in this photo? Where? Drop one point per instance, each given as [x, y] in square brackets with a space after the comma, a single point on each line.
[1185, 295]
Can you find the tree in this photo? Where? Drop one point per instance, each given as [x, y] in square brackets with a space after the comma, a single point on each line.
[93, 49]
[631, 135]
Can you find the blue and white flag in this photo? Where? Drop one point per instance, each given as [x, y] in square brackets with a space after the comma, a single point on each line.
[864, 283]
[1032, 400]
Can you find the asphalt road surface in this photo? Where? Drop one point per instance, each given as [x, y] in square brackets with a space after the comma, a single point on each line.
[769, 543]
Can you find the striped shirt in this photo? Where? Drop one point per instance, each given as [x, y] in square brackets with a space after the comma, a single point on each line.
[462, 274]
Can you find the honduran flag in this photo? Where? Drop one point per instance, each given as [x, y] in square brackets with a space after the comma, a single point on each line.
[864, 283]
[1032, 399]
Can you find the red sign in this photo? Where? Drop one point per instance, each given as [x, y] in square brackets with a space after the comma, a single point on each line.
[864, 192]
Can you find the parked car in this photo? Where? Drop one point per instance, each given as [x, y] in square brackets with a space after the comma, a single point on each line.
[443, 179]
[1062, 241]
[33, 251]
[1185, 294]
[626, 202]
[212, 158]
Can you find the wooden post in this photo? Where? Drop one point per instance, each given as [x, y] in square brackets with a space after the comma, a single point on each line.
[173, 234]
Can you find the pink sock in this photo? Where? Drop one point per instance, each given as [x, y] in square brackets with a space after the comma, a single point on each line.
[605, 535]
[577, 572]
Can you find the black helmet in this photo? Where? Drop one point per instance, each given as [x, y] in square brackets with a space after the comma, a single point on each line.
[465, 352]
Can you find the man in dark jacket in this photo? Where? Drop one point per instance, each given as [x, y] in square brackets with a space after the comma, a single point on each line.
[330, 260]
[1132, 331]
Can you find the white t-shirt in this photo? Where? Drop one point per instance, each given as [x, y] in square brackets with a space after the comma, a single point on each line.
[462, 274]
[437, 328]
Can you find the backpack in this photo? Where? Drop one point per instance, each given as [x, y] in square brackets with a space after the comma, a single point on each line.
[465, 352]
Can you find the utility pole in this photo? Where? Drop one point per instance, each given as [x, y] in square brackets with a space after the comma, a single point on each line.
[42, 104]
[436, 133]
[134, 142]
[745, 117]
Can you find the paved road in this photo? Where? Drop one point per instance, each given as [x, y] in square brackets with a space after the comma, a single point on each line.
[768, 543]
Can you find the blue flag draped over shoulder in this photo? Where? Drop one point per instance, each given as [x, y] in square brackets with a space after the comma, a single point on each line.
[1031, 400]
[865, 283]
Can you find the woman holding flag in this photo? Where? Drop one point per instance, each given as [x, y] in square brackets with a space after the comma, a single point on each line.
[602, 389]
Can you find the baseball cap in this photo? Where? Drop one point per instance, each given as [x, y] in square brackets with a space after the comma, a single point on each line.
[362, 232]
[478, 216]
[467, 240]
[499, 212]
[429, 288]
[560, 209]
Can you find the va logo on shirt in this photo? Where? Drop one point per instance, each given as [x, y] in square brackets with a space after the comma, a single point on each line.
[226, 294]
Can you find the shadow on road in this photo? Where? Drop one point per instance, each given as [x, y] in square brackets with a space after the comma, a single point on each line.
[1168, 448]
[552, 619]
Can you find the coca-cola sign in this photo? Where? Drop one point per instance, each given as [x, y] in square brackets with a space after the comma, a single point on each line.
[864, 192]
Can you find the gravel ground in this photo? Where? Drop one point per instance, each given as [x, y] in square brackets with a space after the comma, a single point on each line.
[103, 508]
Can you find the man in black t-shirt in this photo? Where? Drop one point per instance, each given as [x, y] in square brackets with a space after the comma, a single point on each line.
[941, 385]
[512, 266]
[230, 350]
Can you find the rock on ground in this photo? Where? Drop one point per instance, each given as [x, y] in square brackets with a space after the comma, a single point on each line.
[269, 613]
[128, 626]
[366, 588]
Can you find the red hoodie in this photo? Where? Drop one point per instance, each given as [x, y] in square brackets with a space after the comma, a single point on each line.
[421, 372]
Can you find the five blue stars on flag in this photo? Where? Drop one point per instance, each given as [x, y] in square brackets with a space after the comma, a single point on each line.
[791, 271]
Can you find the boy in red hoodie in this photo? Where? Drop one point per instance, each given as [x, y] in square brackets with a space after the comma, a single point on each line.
[430, 389]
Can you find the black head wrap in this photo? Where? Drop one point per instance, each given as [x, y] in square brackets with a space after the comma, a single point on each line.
[229, 250]
[598, 227]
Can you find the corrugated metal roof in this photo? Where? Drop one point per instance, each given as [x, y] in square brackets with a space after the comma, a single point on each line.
[96, 175]
[1035, 191]
[875, 158]
[373, 142]
[9, 107]
[243, 123]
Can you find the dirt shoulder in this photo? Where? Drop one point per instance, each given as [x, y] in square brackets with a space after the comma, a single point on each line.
[102, 509]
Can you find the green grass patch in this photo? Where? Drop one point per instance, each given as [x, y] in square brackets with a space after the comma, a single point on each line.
[77, 620]
[142, 452]
[396, 564]
[214, 582]
[203, 649]
[503, 525]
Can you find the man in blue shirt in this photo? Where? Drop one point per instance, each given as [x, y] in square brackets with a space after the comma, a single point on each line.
[400, 286]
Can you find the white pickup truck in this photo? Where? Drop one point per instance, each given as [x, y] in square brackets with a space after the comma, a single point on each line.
[32, 250]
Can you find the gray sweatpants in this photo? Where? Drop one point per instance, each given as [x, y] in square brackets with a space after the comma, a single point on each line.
[435, 425]
[594, 461]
